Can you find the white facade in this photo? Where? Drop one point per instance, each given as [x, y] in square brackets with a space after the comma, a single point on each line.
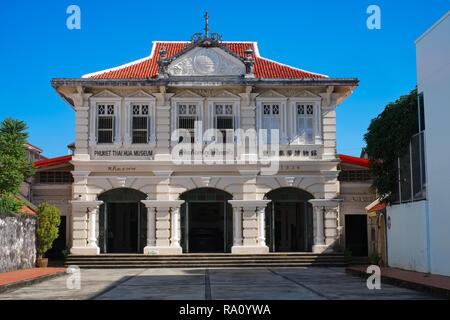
[418, 238]
[108, 158]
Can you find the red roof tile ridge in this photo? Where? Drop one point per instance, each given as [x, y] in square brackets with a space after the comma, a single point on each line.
[286, 65]
[305, 74]
[354, 160]
[128, 64]
[57, 160]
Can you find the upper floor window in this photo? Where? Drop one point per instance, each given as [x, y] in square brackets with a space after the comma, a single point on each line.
[105, 123]
[224, 122]
[187, 115]
[140, 123]
[305, 120]
[270, 119]
[54, 177]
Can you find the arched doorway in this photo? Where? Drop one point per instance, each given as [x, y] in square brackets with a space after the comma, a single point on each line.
[206, 221]
[122, 221]
[289, 220]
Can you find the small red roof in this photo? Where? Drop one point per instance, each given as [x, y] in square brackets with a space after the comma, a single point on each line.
[148, 67]
[354, 160]
[52, 161]
[378, 207]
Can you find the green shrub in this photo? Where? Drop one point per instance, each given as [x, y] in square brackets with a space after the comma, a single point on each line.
[374, 258]
[10, 204]
[47, 227]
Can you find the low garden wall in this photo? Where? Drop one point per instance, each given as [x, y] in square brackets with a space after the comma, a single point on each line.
[17, 241]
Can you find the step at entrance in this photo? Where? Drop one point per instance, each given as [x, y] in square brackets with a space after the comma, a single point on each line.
[208, 260]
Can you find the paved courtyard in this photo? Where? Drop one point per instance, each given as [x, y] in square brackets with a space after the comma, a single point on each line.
[199, 284]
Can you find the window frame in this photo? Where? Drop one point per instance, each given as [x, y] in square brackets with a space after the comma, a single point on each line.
[295, 138]
[140, 97]
[282, 102]
[106, 115]
[194, 99]
[105, 97]
[212, 123]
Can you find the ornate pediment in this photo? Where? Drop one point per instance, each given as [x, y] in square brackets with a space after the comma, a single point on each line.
[204, 61]
[187, 94]
[140, 94]
[301, 93]
[105, 94]
[271, 94]
[214, 93]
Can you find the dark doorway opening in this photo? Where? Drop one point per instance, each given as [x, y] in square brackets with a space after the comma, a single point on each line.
[122, 228]
[122, 221]
[56, 251]
[206, 227]
[356, 234]
[289, 221]
[206, 221]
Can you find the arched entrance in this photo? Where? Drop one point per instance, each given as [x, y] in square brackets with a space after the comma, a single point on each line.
[122, 221]
[289, 220]
[206, 221]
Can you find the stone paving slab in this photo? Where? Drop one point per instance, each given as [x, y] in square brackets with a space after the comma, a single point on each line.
[20, 278]
[432, 283]
[218, 284]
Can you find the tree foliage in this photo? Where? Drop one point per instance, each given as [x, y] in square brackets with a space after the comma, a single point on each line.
[14, 167]
[10, 204]
[387, 139]
[47, 227]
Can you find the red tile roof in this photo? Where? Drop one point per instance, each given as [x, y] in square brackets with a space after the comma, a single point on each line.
[378, 207]
[354, 160]
[148, 67]
[52, 161]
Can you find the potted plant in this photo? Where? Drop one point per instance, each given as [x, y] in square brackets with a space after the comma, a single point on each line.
[47, 231]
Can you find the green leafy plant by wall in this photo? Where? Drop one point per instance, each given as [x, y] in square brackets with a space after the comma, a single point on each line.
[10, 204]
[14, 166]
[387, 139]
[47, 227]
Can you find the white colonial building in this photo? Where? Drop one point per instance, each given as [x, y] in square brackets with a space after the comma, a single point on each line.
[148, 173]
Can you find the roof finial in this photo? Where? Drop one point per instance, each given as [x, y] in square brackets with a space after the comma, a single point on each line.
[206, 16]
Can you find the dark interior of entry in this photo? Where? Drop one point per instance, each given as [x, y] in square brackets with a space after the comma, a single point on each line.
[206, 227]
[122, 228]
[122, 221]
[356, 234]
[56, 251]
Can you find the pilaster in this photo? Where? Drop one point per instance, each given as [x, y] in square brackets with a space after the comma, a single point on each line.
[253, 228]
[163, 227]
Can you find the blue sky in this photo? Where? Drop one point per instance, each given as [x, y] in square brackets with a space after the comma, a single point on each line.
[328, 37]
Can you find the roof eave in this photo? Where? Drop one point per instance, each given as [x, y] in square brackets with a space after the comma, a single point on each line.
[203, 80]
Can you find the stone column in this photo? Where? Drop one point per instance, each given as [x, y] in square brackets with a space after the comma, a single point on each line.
[84, 215]
[320, 239]
[237, 226]
[321, 206]
[252, 231]
[151, 227]
[175, 227]
[163, 226]
[92, 241]
[261, 226]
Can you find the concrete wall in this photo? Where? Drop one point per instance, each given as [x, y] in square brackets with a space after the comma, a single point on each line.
[406, 236]
[17, 241]
[433, 74]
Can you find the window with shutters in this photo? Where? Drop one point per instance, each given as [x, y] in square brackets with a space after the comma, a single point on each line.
[224, 122]
[270, 120]
[105, 123]
[140, 123]
[187, 115]
[305, 121]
